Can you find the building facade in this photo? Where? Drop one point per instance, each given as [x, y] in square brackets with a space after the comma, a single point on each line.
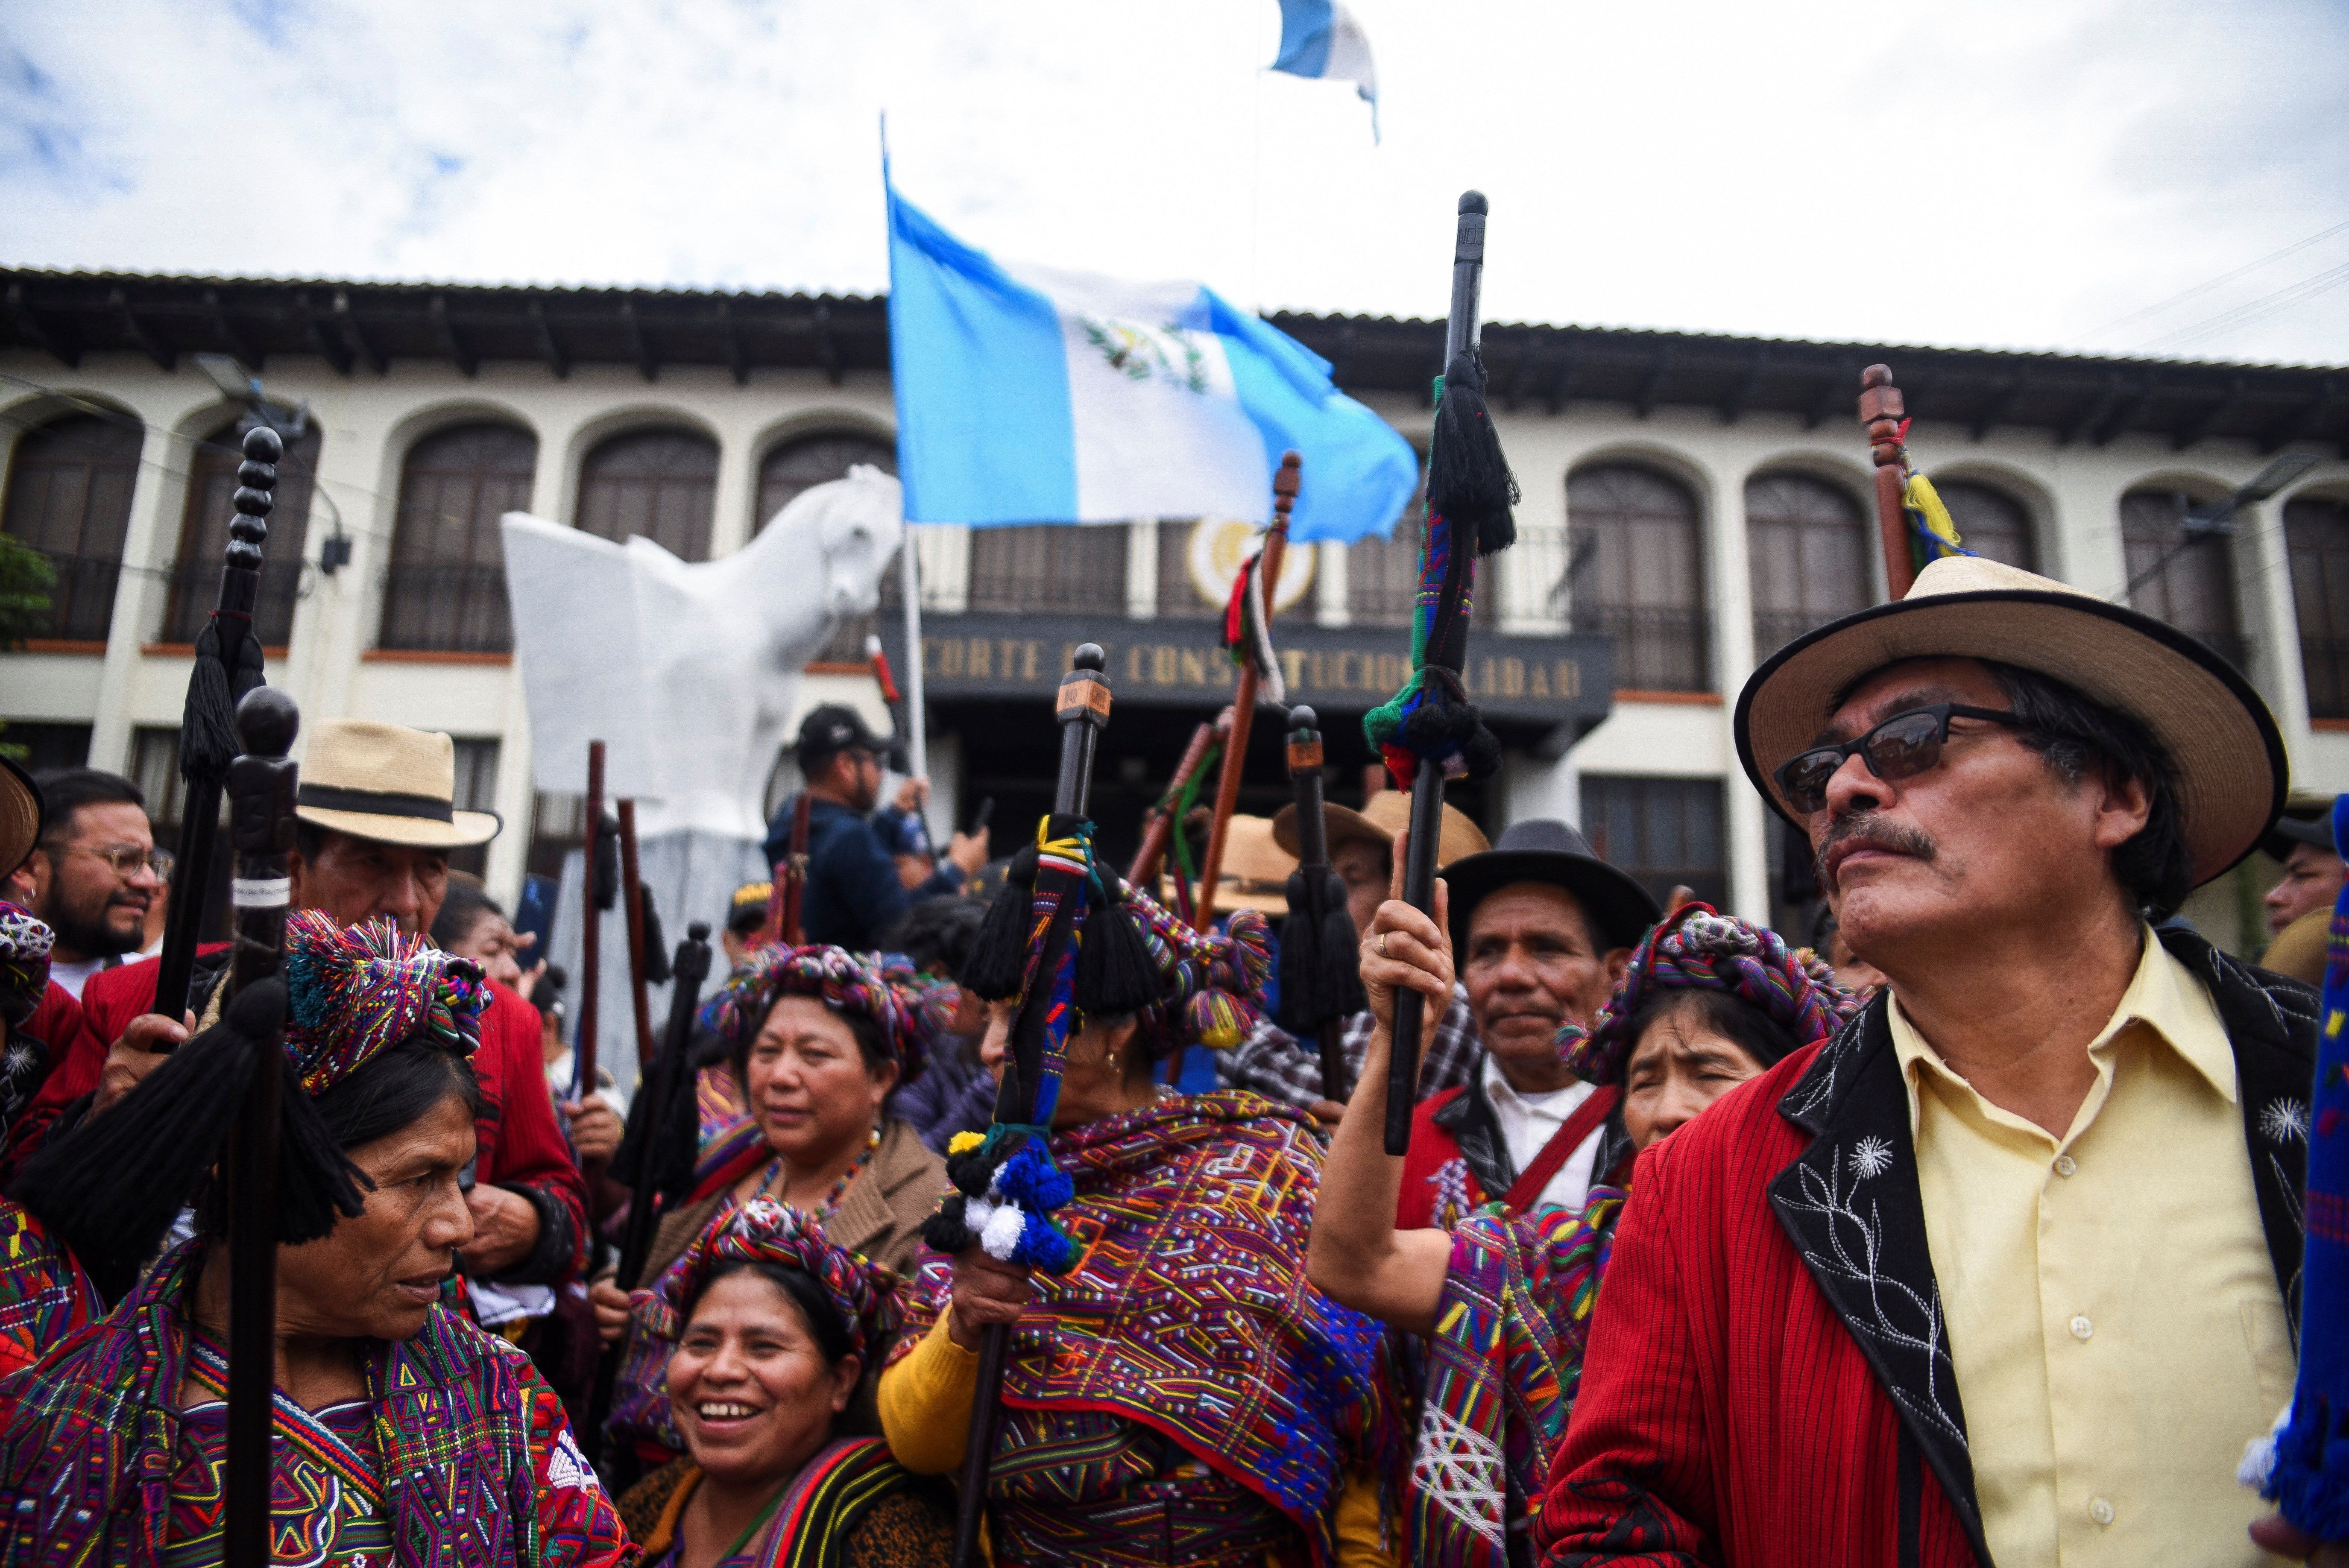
[1689, 504]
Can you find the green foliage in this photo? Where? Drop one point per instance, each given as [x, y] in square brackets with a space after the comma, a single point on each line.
[26, 579]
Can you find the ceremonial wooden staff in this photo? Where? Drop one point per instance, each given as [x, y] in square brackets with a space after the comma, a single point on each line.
[1228, 783]
[1320, 978]
[1430, 726]
[1083, 709]
[789, 880]
[667, 1076]
[260, 784]
[901, 742]
[1882, 409]
[632, 895]
[1158, 828]
[227, 666]
[591, 928]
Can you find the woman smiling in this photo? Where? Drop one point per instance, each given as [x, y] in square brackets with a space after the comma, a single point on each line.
[772, 1326]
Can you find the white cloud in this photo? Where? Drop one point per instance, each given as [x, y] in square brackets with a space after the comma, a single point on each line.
[1990, 171]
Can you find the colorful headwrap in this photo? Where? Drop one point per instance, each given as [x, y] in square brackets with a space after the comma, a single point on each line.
[911, 1009]
[765, 1232]
[751, 895]
[25, 945]
[355, 992]
[1214, 984]
[1696, 948]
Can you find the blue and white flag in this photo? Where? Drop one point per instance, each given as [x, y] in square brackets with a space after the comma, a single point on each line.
[1030, 394]
[1320, 38]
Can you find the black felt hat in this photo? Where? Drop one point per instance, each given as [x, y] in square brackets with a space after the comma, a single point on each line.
[1619, 908]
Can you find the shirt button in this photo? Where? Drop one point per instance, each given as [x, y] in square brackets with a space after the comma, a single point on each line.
[2081, 1329]
[2065, 1165]
[2100, 1510]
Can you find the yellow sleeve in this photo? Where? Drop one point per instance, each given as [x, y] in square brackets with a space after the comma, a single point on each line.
[1361, 1542]
[926, 1403]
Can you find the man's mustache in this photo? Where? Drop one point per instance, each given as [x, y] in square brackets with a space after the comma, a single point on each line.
[1870, 830]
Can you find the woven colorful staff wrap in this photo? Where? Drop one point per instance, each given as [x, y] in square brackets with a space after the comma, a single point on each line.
[910, 1010]
[1696, 947]
[25, 943]
[1469, 492]
[764, 1231]
[353, 993]
[2310, 1480]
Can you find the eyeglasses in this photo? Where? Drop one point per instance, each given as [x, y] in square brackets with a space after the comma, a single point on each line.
[126, 860]
[1902, 747]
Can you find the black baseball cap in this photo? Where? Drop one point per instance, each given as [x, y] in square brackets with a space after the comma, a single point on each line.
[832, 730]
[2290, 832]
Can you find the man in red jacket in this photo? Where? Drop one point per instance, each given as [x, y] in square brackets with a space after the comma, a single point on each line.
[375, 826]
[2005, 1269]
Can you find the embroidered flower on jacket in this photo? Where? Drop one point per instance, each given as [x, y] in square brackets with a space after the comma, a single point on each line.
[2283, 1120]
[1871, 1156]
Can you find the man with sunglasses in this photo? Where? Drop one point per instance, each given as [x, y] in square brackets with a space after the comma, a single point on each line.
[2005, 1271]
[93, 873]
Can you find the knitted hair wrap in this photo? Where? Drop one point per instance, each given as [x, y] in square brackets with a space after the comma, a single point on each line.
[1697, 948]
[1213, 984]
[355, 992]
[765, 1232]
[910, 1009]
[25, 945]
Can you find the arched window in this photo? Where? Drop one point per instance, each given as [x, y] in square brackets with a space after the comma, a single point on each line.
[1991, 522]
[70, 484]
[2186, 581]
[1382, 574]
[2316, 535]
[204, 536]
[446, 586]
[1636, 568]
[801, 464]
[1807, 546]
[660, 482]
[794, 467]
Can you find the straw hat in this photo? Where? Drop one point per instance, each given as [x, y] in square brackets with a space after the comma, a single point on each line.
[2219, 734]
[389, 783]
[1255, 873]
[1383, 816]
[20, 815]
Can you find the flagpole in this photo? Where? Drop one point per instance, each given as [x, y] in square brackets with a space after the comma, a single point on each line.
[909, 576]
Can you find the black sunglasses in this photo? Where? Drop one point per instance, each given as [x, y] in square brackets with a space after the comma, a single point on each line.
[1902, 747]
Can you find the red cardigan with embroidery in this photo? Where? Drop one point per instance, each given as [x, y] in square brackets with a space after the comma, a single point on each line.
[1726, 1414]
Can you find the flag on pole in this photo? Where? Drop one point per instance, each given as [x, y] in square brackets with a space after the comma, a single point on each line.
[1027, 394]
[1320, 40]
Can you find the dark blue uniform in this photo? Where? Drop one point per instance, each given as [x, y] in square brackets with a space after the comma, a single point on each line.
[852, 894]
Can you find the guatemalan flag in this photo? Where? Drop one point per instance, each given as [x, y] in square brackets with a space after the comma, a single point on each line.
[1030, 394]
[1320, 38]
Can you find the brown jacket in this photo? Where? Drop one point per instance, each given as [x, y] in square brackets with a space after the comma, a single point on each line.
[880, 1215]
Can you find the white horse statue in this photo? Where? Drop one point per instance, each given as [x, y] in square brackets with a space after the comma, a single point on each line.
[689, 670]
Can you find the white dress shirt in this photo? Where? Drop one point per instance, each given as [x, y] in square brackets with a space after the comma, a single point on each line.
[1528, 1121]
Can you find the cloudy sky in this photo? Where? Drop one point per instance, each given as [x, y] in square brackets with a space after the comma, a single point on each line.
[2035, 173]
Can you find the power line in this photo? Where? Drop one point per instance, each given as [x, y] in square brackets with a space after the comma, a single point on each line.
[2199, 289]
[2258, 310]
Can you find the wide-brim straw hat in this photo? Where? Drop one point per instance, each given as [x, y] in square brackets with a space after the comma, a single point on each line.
[1383, 816]
[20, 815]
[389, 783]
[2221, 739]
[1255, 873]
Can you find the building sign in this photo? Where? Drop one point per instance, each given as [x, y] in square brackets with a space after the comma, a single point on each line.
[1543, 693]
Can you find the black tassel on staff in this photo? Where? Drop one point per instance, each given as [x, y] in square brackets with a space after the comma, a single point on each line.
[1083, 709]
[1321, 969]
[1431, 728]
[227, 666]
[646, 1155]
[260, 801]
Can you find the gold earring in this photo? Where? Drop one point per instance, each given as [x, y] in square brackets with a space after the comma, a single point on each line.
[1113, 1063]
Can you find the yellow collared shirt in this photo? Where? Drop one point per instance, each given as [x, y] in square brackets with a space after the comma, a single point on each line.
[2112, 1307]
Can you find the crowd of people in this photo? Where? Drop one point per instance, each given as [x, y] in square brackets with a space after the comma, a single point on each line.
[1974, 1237]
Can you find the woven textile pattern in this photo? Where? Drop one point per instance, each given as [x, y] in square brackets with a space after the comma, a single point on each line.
[25, 943]
[910, 1009]
[1502, 1367]
[357, 992]
[1187, 1310]
[1696, 948]
[765, 1232]
[44, 1294]
[477, 1464]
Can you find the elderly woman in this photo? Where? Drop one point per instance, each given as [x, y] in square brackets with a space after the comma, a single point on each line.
[820, 1036]
[1180, 1394]
[1706, 1003]
[769, 1328]
[400, 1428]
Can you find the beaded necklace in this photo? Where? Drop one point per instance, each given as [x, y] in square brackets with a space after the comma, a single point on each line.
[831, 1203]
